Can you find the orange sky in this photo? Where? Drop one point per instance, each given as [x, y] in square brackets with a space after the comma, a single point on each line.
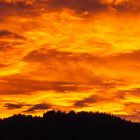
[70, 55]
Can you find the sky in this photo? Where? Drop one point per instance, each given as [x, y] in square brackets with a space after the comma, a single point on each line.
[80, 55]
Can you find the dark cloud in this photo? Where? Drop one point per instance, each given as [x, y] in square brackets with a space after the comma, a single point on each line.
[22, 85]
[13, 106]
[6, 46]
[45, 56]
[17, 8]
[13, 85]
[42, 55]
[41, 106]
[130, 56]
[123, 6]
[27, 9]
[33, 9]
[100, 97]
[32, 108]
[133, 92]
[85, 102]
[77, 5]
[94, 5]
[8, 34]
[10, 8]
[2, 65]
[126, 5]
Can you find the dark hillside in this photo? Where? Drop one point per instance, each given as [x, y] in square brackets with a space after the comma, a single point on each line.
[68, 126]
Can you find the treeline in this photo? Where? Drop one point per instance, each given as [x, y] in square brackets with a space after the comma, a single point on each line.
[57, 125]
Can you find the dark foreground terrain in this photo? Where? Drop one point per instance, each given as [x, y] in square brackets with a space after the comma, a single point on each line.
[68, 126]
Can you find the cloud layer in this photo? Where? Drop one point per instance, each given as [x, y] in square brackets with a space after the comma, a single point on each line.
[70, 55]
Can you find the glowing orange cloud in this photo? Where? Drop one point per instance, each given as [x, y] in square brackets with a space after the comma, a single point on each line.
[70, 55]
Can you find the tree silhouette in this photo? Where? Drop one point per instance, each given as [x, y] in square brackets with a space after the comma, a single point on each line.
[57, 125]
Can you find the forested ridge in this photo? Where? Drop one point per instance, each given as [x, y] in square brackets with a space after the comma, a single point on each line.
[57, 125]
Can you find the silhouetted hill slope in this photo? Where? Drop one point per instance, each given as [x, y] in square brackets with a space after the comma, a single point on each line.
[68, 126]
